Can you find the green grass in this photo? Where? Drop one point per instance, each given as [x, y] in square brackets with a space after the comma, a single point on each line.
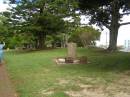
[35, 74]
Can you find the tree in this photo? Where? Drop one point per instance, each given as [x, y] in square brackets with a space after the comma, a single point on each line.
[107, 13]
[85, 36]
[3, 29]
[41, 17]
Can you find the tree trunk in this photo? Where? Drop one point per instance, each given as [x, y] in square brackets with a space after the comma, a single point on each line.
[113, 39]
[114, 26]
[41, 40]
[41, 36]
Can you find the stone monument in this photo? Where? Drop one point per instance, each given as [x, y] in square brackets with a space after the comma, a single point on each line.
[71, 50]
[71, 57]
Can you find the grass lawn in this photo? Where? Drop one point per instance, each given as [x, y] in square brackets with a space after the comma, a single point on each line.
[35, 74]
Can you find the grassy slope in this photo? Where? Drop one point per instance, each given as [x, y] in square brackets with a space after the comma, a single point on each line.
[35, 74]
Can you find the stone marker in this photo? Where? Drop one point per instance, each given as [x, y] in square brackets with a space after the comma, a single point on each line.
[72, 50]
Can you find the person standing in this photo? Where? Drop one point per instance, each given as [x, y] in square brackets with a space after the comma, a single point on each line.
[1, 51]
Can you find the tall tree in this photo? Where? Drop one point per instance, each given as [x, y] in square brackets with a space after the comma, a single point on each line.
[107, 13]
[3, 29]
[41, 17]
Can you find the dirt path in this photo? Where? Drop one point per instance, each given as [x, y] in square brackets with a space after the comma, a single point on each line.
[6, 89]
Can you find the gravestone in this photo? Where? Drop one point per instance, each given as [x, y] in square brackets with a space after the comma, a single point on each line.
[72, 56]
[71, 50]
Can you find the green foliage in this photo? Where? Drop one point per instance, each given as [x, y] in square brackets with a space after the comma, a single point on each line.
[106, 13]
[40, 17]
[21, 40]
[49, 41]
[3, 29]
[49, 23]
[85, 36]
[100, 11]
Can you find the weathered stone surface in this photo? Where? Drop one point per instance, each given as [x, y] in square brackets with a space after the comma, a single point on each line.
[68, 60]
[72, 50]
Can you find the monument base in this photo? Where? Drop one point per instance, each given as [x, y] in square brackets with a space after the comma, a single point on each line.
[68, 60]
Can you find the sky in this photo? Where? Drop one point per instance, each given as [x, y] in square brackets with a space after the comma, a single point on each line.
[123, 35]
[124, 31]
[3, 6]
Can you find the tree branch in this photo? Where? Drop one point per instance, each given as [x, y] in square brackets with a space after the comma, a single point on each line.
[125, 13]
[124, 23]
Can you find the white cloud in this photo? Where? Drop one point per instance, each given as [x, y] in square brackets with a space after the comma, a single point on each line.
[3, 7]
[1, 1]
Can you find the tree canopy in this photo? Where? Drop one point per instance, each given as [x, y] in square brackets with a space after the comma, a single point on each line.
[3, 29]
[85, 36]
[106, 13]
[40, 18]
